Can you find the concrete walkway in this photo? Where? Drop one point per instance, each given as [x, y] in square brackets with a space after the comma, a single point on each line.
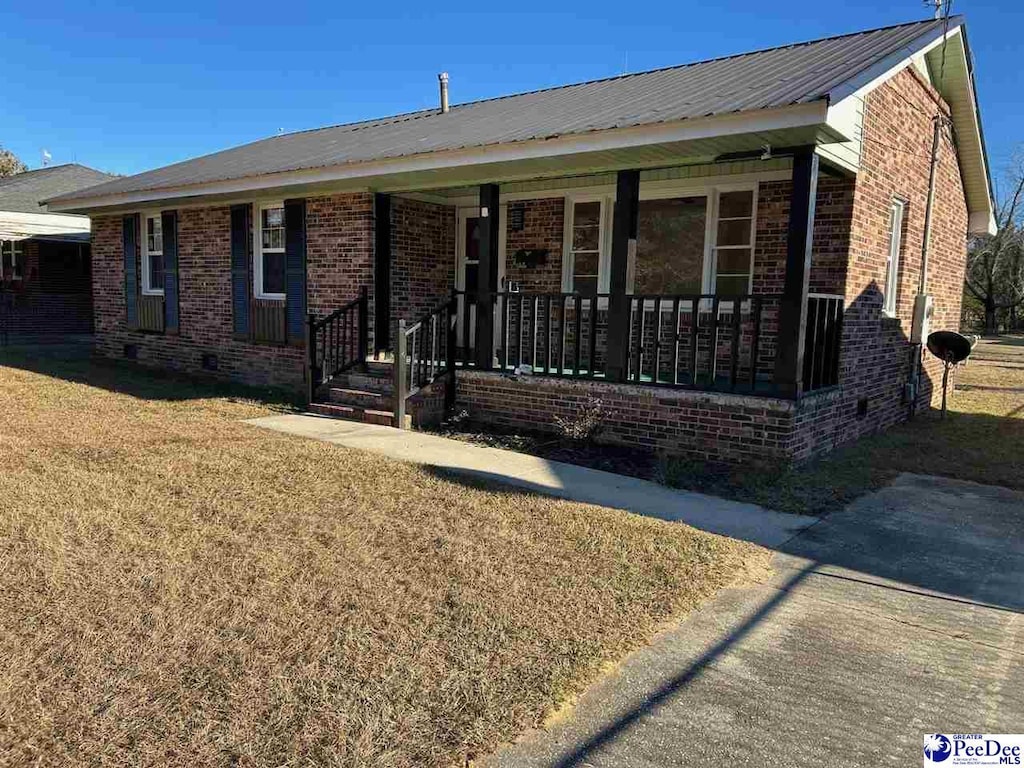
[553, 478]
[899, 616]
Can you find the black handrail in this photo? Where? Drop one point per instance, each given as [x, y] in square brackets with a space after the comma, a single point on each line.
[424, 352]
[336, 342]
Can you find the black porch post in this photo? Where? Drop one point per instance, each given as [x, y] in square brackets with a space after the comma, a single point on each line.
[624, 229]
[789, 361]
[381, 273]
[487, 276]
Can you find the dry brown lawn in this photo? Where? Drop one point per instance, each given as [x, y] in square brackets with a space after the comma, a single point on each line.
[178, 588]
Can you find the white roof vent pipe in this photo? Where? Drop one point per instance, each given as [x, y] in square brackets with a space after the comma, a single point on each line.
[442, 80]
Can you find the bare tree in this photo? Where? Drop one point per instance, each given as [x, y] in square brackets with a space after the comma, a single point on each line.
[995, 263]
[10, 164]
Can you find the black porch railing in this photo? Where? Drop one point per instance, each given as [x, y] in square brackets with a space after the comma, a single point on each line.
[424, 352]
[824, 334]
[336, 342]
[698, 341]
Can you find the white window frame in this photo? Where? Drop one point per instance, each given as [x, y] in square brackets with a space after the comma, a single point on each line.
[660, 190]
[147, 289]
[258, 251]
[897, 217]
[17, 251]
[604, 239]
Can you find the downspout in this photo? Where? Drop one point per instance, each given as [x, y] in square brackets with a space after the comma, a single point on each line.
[923, 279]
[922, 282]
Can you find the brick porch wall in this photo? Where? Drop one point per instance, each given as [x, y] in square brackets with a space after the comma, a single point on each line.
[422, 257]
[681, 422]
[542, 230]
[339, 260]
[877, 356]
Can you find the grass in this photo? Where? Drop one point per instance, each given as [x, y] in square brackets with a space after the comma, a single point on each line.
[179, 588]
[982, 439]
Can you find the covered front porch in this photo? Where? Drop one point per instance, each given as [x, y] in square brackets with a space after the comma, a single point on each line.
[689, 278]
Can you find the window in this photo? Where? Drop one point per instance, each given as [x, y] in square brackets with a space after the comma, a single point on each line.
[670, 246]
[688, 242]
[269, 255]
[586, 239]
[891, 279]
[153, 256]
[734, 243]
[13, 259]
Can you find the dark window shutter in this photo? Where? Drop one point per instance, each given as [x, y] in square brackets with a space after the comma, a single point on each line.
[130, 238]
[241, 264]
[295, 269]
[169, 221]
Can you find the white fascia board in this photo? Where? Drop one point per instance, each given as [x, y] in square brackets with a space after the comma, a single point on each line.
[44, 223]
[982, 212]
[796, 116]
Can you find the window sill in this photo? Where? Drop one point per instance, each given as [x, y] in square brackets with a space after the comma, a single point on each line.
[269, 296]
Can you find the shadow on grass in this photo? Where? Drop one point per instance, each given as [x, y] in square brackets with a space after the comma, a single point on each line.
[76, 363]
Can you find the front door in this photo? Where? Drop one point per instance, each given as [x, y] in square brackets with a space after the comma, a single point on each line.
[467, 271]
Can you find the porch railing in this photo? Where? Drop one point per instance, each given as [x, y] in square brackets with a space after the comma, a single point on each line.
[824, 336]
[698, 341]
[336, 342]
[424, 352]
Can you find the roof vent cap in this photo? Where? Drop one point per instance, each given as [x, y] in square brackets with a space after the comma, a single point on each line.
[442, 80]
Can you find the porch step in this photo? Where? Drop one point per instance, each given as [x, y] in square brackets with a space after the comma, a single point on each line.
[361, 398]
[356, 413]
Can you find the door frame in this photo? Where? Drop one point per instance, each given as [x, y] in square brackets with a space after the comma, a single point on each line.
[462, 213]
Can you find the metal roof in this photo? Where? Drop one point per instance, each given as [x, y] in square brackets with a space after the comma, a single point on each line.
[24, 192]
[773, 78]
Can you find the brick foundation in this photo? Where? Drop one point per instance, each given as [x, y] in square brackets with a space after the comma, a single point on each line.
[681, 422]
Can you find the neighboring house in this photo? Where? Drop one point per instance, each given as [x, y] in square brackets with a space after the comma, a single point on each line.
[46, 275]
[727, 253]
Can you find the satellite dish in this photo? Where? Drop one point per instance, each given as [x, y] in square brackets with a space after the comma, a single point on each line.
[951, 348]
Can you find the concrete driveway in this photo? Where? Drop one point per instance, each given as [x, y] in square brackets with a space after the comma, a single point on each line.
[898, 616]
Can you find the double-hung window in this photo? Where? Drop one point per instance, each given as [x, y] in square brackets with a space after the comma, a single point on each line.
[153, 255]
[13, 259]
[585, 236]
[891, 279]
[734, 243]
[268, 269]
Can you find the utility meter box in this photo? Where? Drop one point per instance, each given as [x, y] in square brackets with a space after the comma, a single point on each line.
[924, 306]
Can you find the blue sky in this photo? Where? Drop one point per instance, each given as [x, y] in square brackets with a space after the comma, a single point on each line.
[124, 89]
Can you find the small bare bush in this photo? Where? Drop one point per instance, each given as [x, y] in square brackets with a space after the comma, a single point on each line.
[586, 423]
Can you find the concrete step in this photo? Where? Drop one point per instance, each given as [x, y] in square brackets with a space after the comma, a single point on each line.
[361, 398]
[367, 382]
[355, 413]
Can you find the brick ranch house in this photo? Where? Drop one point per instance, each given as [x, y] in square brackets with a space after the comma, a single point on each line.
[727, 254]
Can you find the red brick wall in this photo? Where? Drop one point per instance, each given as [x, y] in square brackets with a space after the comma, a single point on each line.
[422, 257]
[877, 356]
[681, 422]
[542, 230]
[832, 218]
[340, 259]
